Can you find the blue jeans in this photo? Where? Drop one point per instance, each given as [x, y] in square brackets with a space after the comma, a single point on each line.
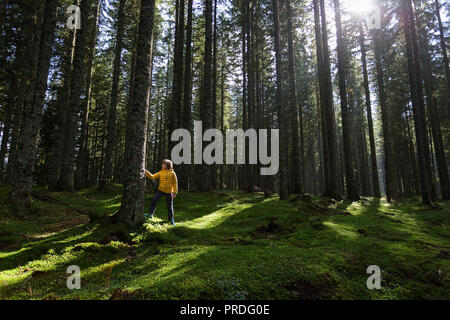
[169, 201]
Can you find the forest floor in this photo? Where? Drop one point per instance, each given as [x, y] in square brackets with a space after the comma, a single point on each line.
[226, 245]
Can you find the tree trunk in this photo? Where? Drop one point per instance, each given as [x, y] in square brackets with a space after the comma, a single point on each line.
[132, 83]
[432, 106]
[176, 108]
[284, 193]
[323, 142]
[248, 169]
[132, 209]
[352, 190]
[443, 47]
[187, 98]
[76, 82]
[423, 152]
[332, 189]
[258, 114]
[112, 114]
[206, 92]
[222, 114]
[62, 104]
[214, 93]
[21, 187]
[373, 154]
[330, 151]
[6, 129]
[244, 82]
[80, 172]
[293, 107]
[3, 4]
[387, 144]
[27, 59]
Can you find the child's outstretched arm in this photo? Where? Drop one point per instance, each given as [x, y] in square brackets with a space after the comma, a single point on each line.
[152, 176]
[175, 184]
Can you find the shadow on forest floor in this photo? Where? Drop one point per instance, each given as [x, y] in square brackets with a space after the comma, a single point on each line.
[227, 245]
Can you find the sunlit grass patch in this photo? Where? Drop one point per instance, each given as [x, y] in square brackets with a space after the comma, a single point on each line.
[342, 229]
[226, 245]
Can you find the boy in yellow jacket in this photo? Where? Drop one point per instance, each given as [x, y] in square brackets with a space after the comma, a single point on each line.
[168, 187]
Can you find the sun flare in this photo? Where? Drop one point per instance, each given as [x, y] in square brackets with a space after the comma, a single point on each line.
[358, 6]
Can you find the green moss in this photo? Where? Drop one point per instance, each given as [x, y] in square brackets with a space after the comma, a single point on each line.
[226, 245]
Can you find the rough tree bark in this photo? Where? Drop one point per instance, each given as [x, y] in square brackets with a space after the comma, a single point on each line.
[80, 180]
[373, 154]
[323, 143]
[112, 114]
[176, 109]
[63, 95]
[423, 151]
[27, 59]
[284, 193]
[248, 169]
[206, 91]
[388, 168]
[293, 107]
[21, 187]
[443, 46]
[330, 151]
[76, 83]
[433, 112]
[214, 93]
[187, 97]
[132, 208]
[350, 182]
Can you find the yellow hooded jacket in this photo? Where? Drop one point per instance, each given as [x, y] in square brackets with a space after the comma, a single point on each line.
[168, 182]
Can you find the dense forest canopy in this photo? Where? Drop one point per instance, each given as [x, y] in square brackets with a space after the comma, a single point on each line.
[361, 110]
